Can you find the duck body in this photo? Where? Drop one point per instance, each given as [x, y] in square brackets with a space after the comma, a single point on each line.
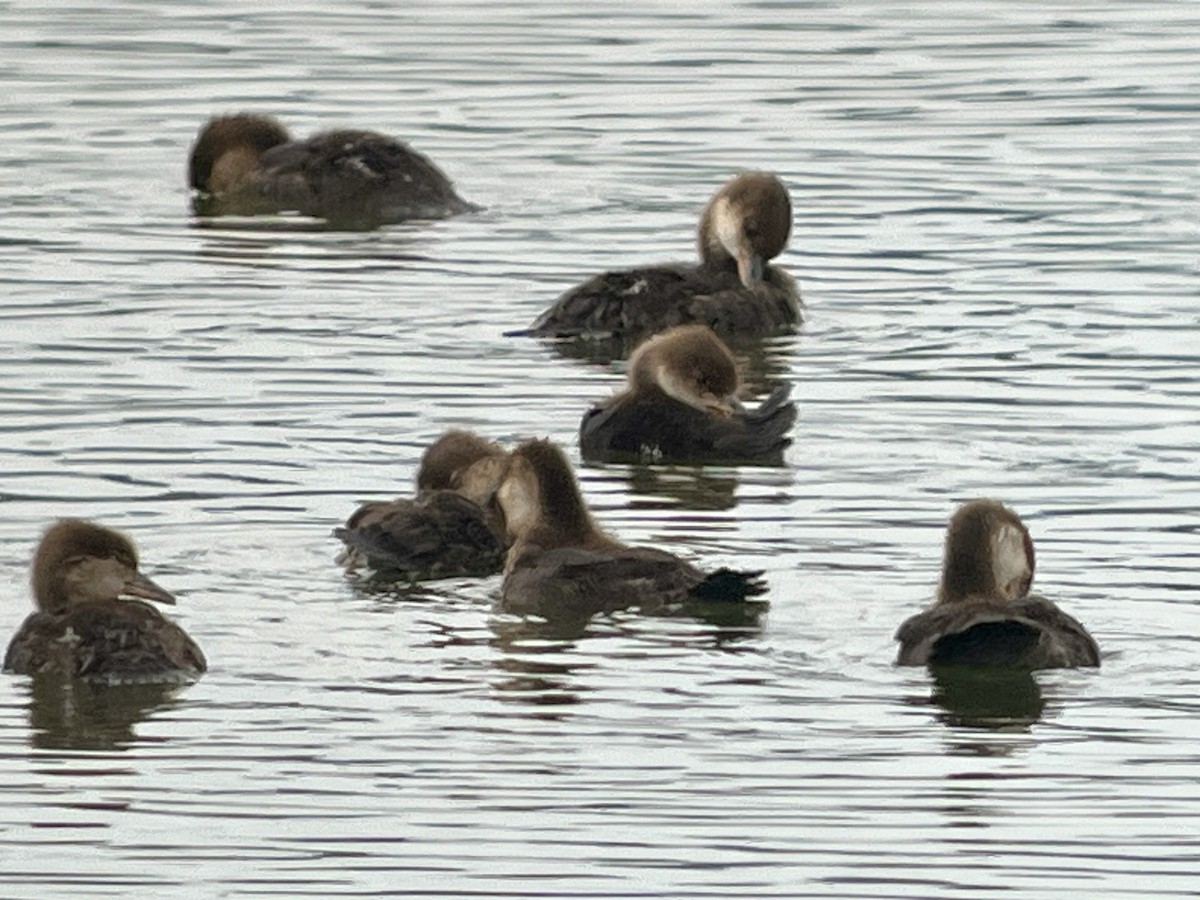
[653, 427]
[113, 641]
[561, 566]
[634, 304]
[438, 534]
[984, 614]
[681, 405]
[1030, 633]
[733, 289]
[85, 627]
[450, 529]
[248, 165]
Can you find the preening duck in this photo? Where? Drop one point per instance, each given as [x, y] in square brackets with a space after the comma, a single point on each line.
[562, 565]
[450, 529]
[83, 626]
[681, 405]
[247, 164]
[734, 289]
[984, 613]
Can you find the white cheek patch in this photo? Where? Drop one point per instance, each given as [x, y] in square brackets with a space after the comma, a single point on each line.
[1010, 563]
[674, 386]
[727, 226]
[520, 506]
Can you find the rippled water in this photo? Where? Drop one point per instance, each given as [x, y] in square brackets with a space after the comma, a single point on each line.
[996, 235]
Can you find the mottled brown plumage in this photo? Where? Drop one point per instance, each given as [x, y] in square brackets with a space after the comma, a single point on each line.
[83, 629]
[733, 290]
[450, 529]
[681, 405]
[984, 614]
[248, 164]
[562, 565]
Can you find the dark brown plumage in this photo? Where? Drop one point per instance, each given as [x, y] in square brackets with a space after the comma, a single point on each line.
[733, 290]
[450, 529]
[681, 406]
[82, 628]
[562, 566]
[984, 614]
[248, 164]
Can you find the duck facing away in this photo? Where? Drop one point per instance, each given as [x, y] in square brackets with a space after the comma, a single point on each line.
[681, 405]
[452, 527]
[734, 290]
[562, 566]
[984, 613]
[84, 628]
[248, 164]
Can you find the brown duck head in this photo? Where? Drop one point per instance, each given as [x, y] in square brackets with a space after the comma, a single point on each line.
[447, 459]
[747, 221]
[989, 554]
[80, 562]
[228, 148]
[691, 364]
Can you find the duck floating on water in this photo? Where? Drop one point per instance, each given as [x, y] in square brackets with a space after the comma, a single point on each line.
[248, 164]
[84, 628]
[451, 529]
[681, 406]
[734, 290]
[562, 566]
[984, 614]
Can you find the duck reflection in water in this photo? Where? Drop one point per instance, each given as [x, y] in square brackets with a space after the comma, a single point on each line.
[561, 567]
[734, 289]
[984, 614]
[85, 628]
[681, 405]
[452, 528]
[76, 714]
[247, 164]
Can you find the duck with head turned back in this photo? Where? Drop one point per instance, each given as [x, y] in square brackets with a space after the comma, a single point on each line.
[681, 405]
[734, 290]
[562, 566]
[984, 614]
[451, 529]
[247, 164]
[83, 627]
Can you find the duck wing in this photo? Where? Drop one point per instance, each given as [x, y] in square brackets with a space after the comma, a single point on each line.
[351, 177]
[578, 583]
[439, 535]
[1032, 633]
[115, 641]
[656, 428]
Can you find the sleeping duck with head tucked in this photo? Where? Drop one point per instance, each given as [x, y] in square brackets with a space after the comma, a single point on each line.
[734, 290]
[681, 405]
[561, 566]
[984, 614]
[84, 627]
[451, 529]
[247, 164]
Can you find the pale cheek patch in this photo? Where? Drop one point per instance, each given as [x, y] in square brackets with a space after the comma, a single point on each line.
[674, 386]
[727, 226]
[1010, 562]
[520, 506]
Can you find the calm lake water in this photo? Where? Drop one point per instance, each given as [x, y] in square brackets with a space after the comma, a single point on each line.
[998, 239]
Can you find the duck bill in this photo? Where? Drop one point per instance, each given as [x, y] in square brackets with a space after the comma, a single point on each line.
[750, 268]
[721, 408]
[141, 586]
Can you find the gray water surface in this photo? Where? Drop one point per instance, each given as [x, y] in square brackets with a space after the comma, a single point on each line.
[997, 238]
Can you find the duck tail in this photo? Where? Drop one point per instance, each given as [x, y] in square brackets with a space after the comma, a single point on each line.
[729, 585]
